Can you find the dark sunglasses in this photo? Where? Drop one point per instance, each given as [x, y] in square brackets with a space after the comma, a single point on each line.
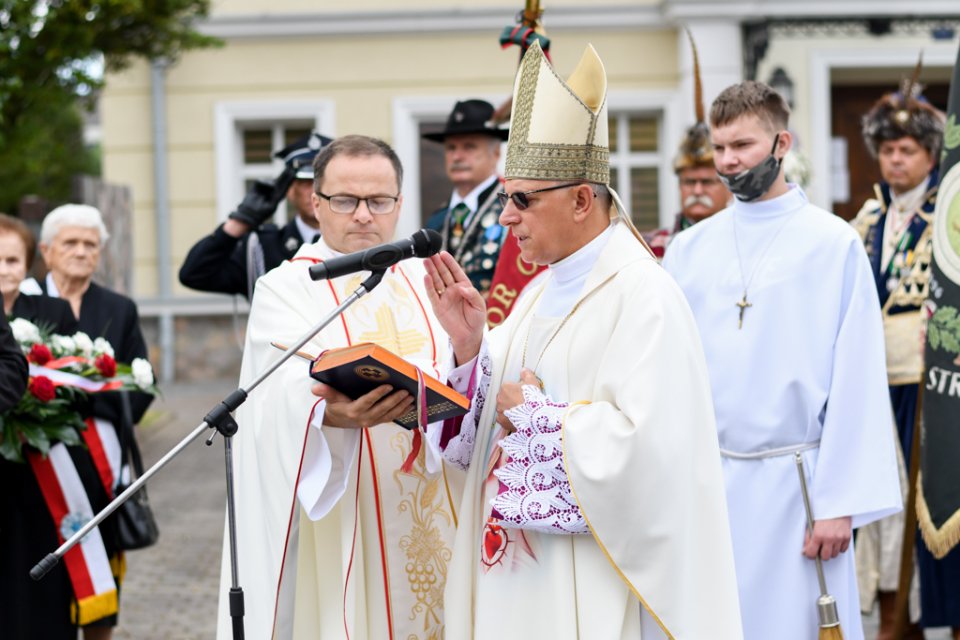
[520, 199]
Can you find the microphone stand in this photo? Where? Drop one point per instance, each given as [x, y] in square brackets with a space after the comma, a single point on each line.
[220, 419]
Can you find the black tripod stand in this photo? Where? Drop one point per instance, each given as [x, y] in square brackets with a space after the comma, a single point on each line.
[221, 419]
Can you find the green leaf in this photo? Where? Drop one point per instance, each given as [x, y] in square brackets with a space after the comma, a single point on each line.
[10, 447]
[944, 315]
[66, 435]
[954, 325]
[36, 438]
[950, 342]
[933, 336]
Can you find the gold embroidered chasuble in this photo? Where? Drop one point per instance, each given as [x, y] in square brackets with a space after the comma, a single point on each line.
[640, 452]
[372, 562]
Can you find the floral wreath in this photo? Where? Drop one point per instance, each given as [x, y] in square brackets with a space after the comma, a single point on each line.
[64, 370]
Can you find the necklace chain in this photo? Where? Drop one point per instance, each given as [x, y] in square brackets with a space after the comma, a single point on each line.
[526, 340]
[745, 281]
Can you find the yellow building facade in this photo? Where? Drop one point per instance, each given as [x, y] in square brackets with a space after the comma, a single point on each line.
[202, 126]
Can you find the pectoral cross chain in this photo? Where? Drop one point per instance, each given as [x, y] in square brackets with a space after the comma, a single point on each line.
[743, 304]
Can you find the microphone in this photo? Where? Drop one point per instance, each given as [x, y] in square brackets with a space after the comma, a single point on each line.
[422, 244]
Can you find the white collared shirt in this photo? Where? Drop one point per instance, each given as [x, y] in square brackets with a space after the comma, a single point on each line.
[306, 231]
[568, 276]
[898, 217]
[472, 199]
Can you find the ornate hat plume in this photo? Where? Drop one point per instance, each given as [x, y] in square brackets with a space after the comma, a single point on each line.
[695, 148]
[905, 113]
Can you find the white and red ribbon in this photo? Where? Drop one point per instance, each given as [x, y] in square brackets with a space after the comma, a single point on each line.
[87, 564]
[63, 378]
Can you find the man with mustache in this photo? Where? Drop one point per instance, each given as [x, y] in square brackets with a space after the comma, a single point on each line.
[702, 194]
[469, 222]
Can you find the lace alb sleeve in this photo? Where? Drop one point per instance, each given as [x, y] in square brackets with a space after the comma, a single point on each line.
[535, 491]
[459, 435]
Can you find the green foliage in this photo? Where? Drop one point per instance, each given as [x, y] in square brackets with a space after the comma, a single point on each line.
[43, 152]
[943, 330]
[51, 52]
[40, 424]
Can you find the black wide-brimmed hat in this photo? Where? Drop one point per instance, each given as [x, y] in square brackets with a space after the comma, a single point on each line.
[299, 154]
[469, 116]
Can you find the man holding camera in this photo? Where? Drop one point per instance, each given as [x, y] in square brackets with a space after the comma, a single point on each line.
[244, 248]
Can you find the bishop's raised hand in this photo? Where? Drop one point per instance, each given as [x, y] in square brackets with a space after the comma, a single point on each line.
[458, 306]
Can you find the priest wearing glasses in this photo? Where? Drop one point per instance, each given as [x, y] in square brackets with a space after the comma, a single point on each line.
[339, 538]
[790, 323]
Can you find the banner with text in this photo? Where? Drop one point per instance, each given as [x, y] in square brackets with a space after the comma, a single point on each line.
[938, 500]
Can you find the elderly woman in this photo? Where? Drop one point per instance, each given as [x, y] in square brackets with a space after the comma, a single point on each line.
[71, 238]
[70, 241]
[31, 609]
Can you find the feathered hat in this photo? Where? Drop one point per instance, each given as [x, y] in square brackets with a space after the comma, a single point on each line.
[905, 113]
[695, 148]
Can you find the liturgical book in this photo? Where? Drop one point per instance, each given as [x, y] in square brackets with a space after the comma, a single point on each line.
[361, 368]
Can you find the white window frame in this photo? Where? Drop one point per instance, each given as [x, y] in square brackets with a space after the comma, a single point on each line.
[230, 118]
[410, 112]
[663, 106]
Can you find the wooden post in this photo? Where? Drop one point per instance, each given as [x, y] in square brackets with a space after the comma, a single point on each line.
[115, 204]
[901, 604]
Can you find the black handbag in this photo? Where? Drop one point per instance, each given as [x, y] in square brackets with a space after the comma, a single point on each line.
[136, 526]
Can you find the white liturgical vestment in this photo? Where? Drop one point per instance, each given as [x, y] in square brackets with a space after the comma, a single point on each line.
[617, 345]
[335, 541]
[804, 373]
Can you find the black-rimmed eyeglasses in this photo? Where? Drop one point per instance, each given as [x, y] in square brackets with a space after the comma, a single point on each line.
[520, 199]
[377, 205]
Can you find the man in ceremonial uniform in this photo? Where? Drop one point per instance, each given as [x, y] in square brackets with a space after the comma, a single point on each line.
[790, 323]
[245, 246]
[702, 193]
[593, 505]
[469, 222]
[905, 133]
[335, 540]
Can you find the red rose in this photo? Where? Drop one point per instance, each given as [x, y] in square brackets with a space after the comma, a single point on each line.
[106, 365]
[42, 388]
[39, 354]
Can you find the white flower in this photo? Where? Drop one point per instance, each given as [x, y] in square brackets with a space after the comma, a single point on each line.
[101, 345]
[797, 168]
[142, 372]
[24, 331]
[63, 345]
[84, 343]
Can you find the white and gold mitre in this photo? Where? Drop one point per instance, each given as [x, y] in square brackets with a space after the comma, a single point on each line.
[558, 130]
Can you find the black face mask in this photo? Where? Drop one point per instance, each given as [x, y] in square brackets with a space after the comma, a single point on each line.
[749, 185]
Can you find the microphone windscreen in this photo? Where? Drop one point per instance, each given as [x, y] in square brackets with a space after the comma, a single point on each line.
[426, 243]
